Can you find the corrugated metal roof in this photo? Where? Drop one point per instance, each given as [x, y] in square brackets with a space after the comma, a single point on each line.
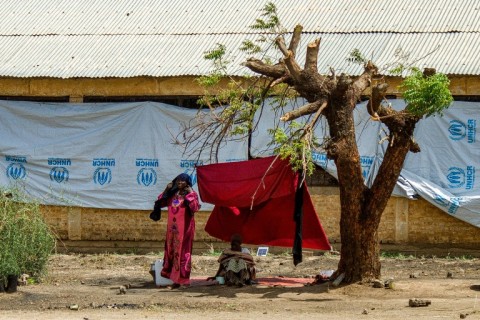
[128, 38]
[42, 17]
[173, 55]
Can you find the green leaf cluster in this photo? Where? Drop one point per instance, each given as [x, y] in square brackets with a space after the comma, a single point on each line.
[291, 144]
[272, 21]
[250, 47]
[356, 57]
[215, 54]
[426, 95]
[26, 242]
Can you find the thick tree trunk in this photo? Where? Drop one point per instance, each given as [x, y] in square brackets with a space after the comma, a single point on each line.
[362, 208]
[360, 259]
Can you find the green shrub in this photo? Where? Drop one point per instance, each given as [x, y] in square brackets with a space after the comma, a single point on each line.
[26, 241]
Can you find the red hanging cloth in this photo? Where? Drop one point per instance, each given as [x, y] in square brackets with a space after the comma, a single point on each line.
[268, 220]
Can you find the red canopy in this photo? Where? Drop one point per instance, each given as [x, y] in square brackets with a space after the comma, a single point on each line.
[268, 220]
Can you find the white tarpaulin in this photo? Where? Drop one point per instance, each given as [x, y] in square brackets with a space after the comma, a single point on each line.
[121, 155]
[443, 173]
[106, 155]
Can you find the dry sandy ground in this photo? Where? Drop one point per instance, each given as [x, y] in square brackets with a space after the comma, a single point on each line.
[91, 283]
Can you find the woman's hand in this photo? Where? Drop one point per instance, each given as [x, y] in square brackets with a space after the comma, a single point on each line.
[188, 189]
[169, 186]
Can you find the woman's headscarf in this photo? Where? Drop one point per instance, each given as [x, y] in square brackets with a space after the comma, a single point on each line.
[183, 177]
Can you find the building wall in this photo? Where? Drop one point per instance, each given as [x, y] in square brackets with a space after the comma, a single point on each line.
[77, 89]
[404, 222]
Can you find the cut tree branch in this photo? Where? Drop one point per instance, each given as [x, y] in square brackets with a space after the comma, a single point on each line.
[280, 41]
[303, 110]
[312, 55]
[297, 33]
[293, 66]
[364, 80]
[258, 66]
[374, 104]
[279, 80]
[309, 126]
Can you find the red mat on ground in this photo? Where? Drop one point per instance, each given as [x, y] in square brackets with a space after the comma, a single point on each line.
[270, 281]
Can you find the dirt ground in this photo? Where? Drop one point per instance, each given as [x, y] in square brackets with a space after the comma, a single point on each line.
[86, 287]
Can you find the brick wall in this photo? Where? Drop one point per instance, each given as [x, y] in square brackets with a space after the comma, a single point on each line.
[404, 221]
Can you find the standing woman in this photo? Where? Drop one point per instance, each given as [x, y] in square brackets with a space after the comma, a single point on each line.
[182, 203]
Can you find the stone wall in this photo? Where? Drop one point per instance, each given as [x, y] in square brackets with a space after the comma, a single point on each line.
[404, 222]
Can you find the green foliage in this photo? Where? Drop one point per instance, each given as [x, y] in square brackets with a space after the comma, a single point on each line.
[216, 53]
[292, 145]
[357, 57]
[217, 56]
[210, 80]
[26, 241]
[250, 47]
[271, 21]
[426, 95]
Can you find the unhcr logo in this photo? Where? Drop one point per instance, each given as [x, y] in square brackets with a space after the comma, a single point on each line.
[16, 170]
[320, 159]
[452, 204]
[103, 173]
[458, 177]
[147, 176]
[455, 204]
[102, 176]
[366, 163]
[441, 201]
[471, 130]
[59, 174]
[470, 177]
[459, 130]
[189, 168]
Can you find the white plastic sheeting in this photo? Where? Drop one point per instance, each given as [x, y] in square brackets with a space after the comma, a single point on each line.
[109, 155]
[443, 173]
[121, 155]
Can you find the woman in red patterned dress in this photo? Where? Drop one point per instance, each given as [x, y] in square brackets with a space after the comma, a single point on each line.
[182, 203]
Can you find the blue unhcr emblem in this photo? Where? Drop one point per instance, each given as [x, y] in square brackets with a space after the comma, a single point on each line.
[147, 176]
[441, 201]
[366, 163]
[102, 176]
[457, 130]
[456, 177]
[452, 204]
[59, 174]
[471, 130]
[16, 171]
[320, 159]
